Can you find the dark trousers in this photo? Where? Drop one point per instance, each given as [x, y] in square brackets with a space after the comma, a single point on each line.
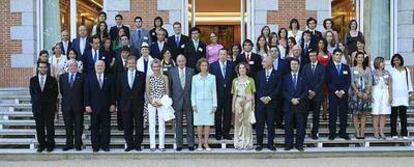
[44, 118]
[265, 114]
[73, 119]
[119, 121]
[133, 120]
[100, 129]
[400, 111]
[315, 109]
[295, 118]
[222, 117]
[179, 115]
[338, 107]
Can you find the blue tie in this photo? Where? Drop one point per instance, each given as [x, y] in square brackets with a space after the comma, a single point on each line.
[338, 68]
[139, 34]
[95, 56]
[294, 80]
[177, 41]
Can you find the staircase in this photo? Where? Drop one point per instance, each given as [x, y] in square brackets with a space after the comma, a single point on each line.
[17, 129]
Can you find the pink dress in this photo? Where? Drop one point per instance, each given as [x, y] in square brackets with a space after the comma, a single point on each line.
[213, 52]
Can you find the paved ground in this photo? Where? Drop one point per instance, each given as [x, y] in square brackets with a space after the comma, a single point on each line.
[317, 162]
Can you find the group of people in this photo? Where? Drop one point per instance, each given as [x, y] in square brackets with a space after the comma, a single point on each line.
[149, 78]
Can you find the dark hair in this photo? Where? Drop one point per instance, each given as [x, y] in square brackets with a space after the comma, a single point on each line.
[137, 17]
[277, 48]
[201, 61]
[195, 29]
[125, 48]
[43, 52]
[132, 57]
[312, 51]
[124, 35]
[398, 56]
[325, 48]
[103, 13]
[337, 50]
[257, 43]
[364, 65]
[120, 16]
[95, 37]
[377, 62]
[98, 29]
[42, 62]
[333, 42]
[294, 59]
[350, 23]
[311, 19]
[293, 40]
[280, 32]
[223, 49]
[247, 41]
[326, 20]
[164, 50]
[271, 38]
[177, 23]
[74, 51]
[236, 69]
[307, 32]
[160, 19]
[263, 28]
[238, 47]
[294, 20]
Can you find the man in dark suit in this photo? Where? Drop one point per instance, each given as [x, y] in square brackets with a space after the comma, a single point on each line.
[130, 95]
[295, 93]
[132, 50]
[194, 49]
[157, 46]
[297, 54]
[120, 66]
[81, 43]
[254, 60]
[281, 67]
[306, 45]
[65, 43]
[268, 88]
[315, 76]
[177, 41]
[139, 36]
[43, 92]
[113, 32]
[223, 70]
[71, 88]
[180, 78]
[339, 80]
[315, 34]
[93, 55]
[100, 102]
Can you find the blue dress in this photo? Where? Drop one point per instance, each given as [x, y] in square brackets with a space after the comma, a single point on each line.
[204, 98]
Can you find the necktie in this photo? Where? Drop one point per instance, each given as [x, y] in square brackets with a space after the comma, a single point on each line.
[131, 79]
[248, 57]
[338, 68]
[306, 48]
[42, 82]
[196, 46]
[100, 80]
[223, 70]
[267, 75]
[177, 41]
[182, 78]
[71, 81]
[313, 68]
[139, 34]
[95, 56]
[294, 80]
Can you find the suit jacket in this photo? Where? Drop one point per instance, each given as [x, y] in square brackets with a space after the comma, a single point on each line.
[289, 59]
[315, 80]
[255, 63]
[43, 101]
[223, 84]
[119, 67]
[153, 34]
[289, 92]
[130, 98]
[181, 96]
[192, 55]
[137, 42]
[156, 51]
[271, 87]
[141, 67]
[76, 46]
[89, 64]
[113, 32]
[72, 97]
[337, 81]
[176, 50]
[282, 67]
[305, 52]
[65, 52]
[99, 99]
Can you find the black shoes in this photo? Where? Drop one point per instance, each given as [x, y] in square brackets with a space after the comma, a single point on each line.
[227, 137]
[67, 148]
[106, 149]
[346, 137]
[50, 149]
[128, 149]
[95, 150]
[178, 149]
[191, 148]
[331, 137]
[315, 137]
[300, 149]
[40, 149]
[287, 148]
[259, 148]
[271, 148]
[218, 137]
[78, 148]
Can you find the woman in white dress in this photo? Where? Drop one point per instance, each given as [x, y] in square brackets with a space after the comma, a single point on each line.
[261, 46]
[294, 30]
[381, 96]
[401, 90]
[57, 61]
